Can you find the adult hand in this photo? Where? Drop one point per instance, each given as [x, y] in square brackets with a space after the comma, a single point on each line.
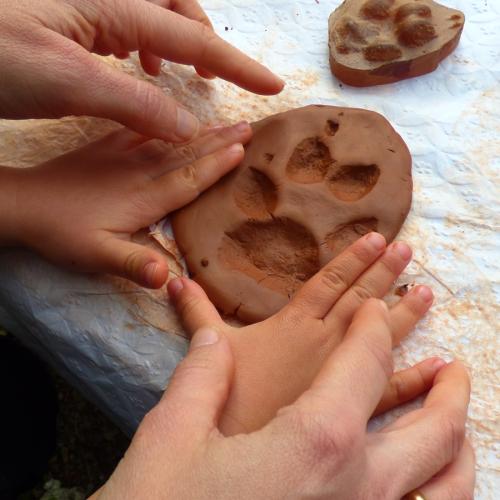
[316, 448]
[82, 209]
[48, 71]
[277, 359]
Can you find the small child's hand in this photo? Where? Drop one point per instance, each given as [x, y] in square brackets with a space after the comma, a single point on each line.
[82, 209]
[277, 359]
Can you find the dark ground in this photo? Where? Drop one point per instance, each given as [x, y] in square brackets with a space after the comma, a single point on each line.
[88, 447]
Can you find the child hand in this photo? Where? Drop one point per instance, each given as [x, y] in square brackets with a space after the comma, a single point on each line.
[317, 447]
[277, 359]
[81, 210]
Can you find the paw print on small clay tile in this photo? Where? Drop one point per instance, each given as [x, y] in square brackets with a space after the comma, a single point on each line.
[313, 181]
[377, 41]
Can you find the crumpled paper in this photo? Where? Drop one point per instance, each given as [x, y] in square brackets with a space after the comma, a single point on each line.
[119, 343]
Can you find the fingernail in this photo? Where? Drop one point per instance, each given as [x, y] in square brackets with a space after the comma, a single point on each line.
[204, 336]
[175, 286]
[438, 363]
[187, 124]
[403, 250]
[235, 149]
[376, 240]
[425, 293]
[150, 272]
[242, 126]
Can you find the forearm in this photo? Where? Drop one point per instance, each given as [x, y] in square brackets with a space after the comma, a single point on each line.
[9, 209]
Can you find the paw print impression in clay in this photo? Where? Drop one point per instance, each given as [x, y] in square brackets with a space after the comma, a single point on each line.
[381, 41]
[313, 181]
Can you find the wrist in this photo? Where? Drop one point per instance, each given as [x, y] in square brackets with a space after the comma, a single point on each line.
[9, 206]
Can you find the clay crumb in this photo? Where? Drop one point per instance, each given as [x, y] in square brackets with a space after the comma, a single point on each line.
[402, 290]
[331, 127]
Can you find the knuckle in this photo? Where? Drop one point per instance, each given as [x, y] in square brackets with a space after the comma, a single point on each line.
[333, 277]
[151, 103]
[187, 152]
[188, 176]
[132, 263]
[324, 443]
[361, 252]
[390, 267]
[452, 427]
[398, 388]
[361, 292]
[381, 353]
[188, 307]
[208, 37]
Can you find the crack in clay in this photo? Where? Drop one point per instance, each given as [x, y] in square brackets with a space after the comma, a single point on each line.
[281, 253]
[255, 194]
[346, 234]
[353, 182]
[310, 161]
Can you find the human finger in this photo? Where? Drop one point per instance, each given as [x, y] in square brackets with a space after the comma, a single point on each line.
[192, 42]
[118, 96]
[456, 481]
[408, 384]
[204, 73]
[121, 139]
[428, 439]
[123, 54]
[374, 282]
[200, 385]
[150, 63]
[171, 156]
[179, 187]
[132, 261]
[321, 292]
[192, 10]
[192, 305]
[353, 379]
[409, 311]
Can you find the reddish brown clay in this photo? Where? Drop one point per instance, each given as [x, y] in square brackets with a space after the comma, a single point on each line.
[373, 42]
[313, 181]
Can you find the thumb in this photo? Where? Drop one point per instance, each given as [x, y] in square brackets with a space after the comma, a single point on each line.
[132, 261]
[139, 105]
[200, 384]
[95, 88]
[192, 304]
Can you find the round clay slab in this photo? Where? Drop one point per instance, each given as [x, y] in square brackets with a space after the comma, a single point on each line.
[313, 181]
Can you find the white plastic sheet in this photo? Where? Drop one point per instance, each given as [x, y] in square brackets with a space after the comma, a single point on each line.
[119, 344]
